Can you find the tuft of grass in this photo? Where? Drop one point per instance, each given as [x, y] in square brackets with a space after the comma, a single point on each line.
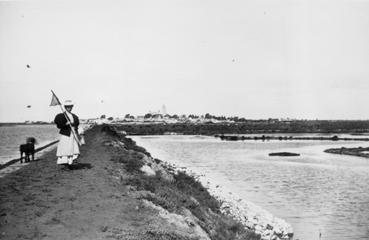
[192, 187]
[132, 163]
[109, 130]
[155, 235]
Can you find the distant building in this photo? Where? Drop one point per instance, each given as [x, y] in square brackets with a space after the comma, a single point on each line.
[164, 110]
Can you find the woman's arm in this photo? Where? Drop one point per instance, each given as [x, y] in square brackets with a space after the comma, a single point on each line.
[76, 123]
[60, 121]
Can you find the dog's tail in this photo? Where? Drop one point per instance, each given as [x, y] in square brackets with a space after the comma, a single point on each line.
[31, 140]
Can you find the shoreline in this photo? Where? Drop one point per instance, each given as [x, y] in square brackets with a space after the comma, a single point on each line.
[39, 149]
[116, 190]
[14, 164]
[250, 215]
[286, 138]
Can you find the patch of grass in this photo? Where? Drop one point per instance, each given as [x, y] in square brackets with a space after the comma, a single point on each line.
[132, 162]
[155, 235]
[129, 143]
[134, 165]
[191, 187]
[173, 196]
[132, 145]
[109, 130]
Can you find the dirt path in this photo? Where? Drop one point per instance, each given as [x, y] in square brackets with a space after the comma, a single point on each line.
[40, 201]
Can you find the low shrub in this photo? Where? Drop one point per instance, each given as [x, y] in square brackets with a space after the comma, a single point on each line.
[132, 163]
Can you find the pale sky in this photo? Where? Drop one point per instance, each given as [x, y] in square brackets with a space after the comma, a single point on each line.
[255, 59]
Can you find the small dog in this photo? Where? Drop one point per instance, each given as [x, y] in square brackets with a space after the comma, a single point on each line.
[28, 149]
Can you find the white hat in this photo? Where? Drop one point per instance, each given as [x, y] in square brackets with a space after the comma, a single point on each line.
[68, 103]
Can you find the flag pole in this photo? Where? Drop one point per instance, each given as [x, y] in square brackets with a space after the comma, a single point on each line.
[68, 120]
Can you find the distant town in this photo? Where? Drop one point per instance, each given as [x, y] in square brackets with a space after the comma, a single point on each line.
[162, 116]
[167, 118]
[155, 122]
[183, 118]
[152, 118]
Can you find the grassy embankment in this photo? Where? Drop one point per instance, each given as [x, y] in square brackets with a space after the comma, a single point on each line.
[178, 193]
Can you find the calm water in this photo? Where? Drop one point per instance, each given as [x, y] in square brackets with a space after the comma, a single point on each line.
[316, 192]
[12, 136]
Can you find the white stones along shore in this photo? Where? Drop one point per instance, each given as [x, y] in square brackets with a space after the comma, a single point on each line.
[250, 215]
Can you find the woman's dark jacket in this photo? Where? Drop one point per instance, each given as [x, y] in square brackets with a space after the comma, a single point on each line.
[61, 123]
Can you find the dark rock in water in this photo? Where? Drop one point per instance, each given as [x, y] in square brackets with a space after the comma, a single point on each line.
[230, 138]
[284, 154]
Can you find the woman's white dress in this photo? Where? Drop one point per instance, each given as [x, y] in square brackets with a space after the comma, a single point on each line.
[68, 149]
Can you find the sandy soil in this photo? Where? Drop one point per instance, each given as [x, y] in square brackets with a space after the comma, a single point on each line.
[41, 201]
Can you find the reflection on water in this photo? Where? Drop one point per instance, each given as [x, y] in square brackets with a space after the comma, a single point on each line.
[316, 192]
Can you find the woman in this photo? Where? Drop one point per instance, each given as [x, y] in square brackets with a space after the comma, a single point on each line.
[68, 149]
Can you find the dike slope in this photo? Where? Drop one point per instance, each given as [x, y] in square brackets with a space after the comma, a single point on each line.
[116, 191]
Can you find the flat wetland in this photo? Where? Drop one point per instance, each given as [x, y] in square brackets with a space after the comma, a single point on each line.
[317, 192]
